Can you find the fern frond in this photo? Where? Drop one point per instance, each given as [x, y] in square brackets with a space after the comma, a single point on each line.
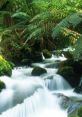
[70, 21]
[78, 49]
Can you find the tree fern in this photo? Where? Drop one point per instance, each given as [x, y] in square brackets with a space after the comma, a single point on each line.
[69, 22]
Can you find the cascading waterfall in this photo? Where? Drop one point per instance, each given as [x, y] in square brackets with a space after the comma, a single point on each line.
[30, 96]
[56, 82]
[41, 104]
[17, 90]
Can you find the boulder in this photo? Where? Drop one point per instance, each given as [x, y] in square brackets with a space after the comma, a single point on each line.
[26, 62]
[2, 86]
[37, 71]
[68, 54]
[78, 67]
[36, 56]
[71, 71]
[68, 73]
[46, 53]
[66, 63]
[78, 89]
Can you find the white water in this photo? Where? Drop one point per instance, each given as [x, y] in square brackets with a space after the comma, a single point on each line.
[28, 96]
[56, 82]
[37, 105]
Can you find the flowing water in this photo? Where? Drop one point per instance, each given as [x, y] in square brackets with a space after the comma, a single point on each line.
[30, 96]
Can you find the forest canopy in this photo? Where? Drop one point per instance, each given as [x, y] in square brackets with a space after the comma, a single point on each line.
[30, 26]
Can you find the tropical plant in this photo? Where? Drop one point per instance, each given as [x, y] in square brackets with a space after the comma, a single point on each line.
[78, 49]
[35, 21]
[67, 31]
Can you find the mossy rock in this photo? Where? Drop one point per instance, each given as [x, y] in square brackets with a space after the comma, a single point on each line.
[80, 112]
[58, 52]
[78, 89]
[46, 53]
[2, 85]
[26, 62]
[5, 67]
[36, 56]
[78, 67]
[68, 54]
[69, 62]
[68, 73]
[37, 71]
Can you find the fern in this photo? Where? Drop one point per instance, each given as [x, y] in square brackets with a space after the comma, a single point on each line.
[78, 49]
[69, 22]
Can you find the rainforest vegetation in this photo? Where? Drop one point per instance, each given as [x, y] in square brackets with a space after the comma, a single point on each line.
[31, 29]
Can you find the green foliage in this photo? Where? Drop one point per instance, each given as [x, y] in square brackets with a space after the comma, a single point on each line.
[22, 16]
[80, 112]
[29, 21]
[5, 67]
[73, 116]
[2, 2]
[78, 49]
[66, 30]
[69, 22]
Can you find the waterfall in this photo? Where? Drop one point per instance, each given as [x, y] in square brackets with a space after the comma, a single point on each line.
[56, 82]
[17, 90]
[30, 96]
[41, 104]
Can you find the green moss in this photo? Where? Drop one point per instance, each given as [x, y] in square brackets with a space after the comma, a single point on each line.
[70, 75]
[47, 54]
[2, 85]
[73, 116]
[80, 112]
[5, 67]
[37, 71]
[66, 69]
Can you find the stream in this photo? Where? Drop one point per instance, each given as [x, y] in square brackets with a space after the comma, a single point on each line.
[35, 96]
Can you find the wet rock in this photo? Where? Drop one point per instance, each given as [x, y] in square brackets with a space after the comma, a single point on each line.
[68, 73]
[36, 57]
[67, 63]
[75, 109]
[65, 101]
[71, 71]
[53, 65]
[78, 67]
[78, 89]
[47, 54]
[68, 54]
[2, 86]
[26, 62]
[37, 71]
[72, 104]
